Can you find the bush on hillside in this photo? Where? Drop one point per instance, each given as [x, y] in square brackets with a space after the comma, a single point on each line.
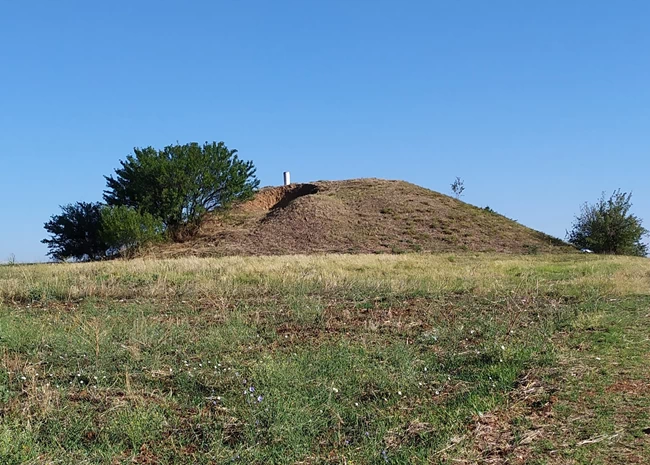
[125, 229]
[76, 233]
[92, 231]
[181, 183]
[608, 227]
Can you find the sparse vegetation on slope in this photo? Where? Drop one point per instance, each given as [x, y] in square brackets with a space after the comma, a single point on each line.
[358, 216]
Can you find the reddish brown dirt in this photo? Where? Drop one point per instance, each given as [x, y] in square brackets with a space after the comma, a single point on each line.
[276, 197]
[357, 216]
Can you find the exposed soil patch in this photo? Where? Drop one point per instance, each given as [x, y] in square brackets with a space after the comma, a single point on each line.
[276, 197]
[629, 387]
[496, 437]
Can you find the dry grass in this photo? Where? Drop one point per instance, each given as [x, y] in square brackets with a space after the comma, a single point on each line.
[480, 274]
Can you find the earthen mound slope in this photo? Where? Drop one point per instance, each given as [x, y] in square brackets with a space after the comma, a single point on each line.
[358, 216]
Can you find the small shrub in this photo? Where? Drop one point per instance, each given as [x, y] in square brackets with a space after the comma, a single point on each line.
[608, 227]
[531, 249]
[458, 187]
[125, 229]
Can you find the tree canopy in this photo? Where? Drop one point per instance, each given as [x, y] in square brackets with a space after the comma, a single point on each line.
[180, 183]
[76, 233]
[609, 227]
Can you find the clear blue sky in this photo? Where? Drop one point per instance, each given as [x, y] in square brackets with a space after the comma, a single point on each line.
[538, 106]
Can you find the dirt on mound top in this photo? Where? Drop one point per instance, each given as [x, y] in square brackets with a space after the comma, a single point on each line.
[358, 216]
[276, 197]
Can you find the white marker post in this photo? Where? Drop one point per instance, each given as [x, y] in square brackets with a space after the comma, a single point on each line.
[287, 178]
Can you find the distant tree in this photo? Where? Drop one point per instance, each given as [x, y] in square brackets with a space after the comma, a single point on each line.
[76, 233]
[180, 183]
[458, 187]
[125, 229]
[608, 227]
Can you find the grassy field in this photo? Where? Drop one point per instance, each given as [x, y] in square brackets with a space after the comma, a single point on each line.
[327, 359]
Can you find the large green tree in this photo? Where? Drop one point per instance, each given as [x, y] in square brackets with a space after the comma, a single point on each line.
[609, 227]
[76, 233]
[180, 183]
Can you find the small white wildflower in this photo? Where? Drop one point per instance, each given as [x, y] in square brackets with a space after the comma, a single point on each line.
[399, 393]
[23, 378]
[356, 404]
[437, 393]
[335, 390]
[503, 347]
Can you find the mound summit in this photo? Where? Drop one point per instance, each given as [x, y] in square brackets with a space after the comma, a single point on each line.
[357, 216]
